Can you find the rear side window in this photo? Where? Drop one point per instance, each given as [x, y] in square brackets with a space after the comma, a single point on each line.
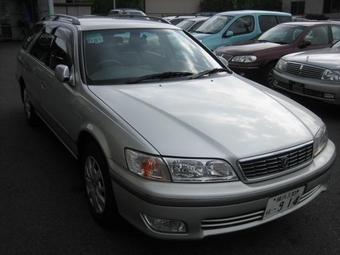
[267, 22]
[283, 19]
[243, 25]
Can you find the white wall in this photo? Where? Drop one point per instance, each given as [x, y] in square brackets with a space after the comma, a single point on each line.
[166, 7]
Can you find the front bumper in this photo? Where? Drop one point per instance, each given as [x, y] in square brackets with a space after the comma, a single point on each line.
[328, 92]
[251, 73]
[213, 208]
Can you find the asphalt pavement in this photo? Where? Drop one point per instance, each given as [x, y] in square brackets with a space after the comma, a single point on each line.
[43, 209]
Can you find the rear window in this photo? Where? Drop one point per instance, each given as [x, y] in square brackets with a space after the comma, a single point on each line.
[283, 19]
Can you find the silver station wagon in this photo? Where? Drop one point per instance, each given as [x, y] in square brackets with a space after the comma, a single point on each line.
[165, 134]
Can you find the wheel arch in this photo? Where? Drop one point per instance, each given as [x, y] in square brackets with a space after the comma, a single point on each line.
[266, 69]
[86, 136]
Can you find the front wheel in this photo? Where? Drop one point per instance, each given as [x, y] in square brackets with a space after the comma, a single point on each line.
[31, 116]
[268, 75]
[98, 186]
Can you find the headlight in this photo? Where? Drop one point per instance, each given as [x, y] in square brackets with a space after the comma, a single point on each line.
[331, 75]
[281, 65]
[181, 170]
[147, 166]
[200, 170]
[320, 140]
[244, 59]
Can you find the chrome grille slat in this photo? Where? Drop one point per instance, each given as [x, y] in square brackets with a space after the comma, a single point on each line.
[304, 70]
[231, 221]
[309, 194]
[271, 164]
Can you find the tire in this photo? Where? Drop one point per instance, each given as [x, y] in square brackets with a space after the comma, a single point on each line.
[268, 75]
[31, 116]
[98, 188]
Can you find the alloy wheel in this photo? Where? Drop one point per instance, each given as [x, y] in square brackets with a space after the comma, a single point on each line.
[95, 187]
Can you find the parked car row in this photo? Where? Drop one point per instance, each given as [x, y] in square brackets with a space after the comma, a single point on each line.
[257, 60]
[165, 134]
[313, 74]
[253, 42]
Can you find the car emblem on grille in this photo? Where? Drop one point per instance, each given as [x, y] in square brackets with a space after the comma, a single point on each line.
[283, 162]
[301, 67]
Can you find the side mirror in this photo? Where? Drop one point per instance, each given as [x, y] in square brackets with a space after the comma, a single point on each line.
[62, 73]
[304, 43]
[228, 34]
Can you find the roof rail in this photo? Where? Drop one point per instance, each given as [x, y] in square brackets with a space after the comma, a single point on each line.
[62, 17]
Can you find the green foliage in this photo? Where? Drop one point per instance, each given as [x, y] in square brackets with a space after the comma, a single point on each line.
[102, 7]
[228, 5]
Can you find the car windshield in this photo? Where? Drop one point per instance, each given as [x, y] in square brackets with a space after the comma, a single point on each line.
[214, 24]
[185, 24]
[121, 56]
[336, 45]
[283, 34]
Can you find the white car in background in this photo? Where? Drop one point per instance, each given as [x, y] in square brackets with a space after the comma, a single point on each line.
[192, 24]
[314, 74]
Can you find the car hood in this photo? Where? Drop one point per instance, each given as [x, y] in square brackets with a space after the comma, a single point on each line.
[221, 117]
[247, 48]
[201, 36]
[327, 58]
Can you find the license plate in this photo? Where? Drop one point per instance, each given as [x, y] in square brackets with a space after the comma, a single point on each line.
[298, 87]
[283, 202]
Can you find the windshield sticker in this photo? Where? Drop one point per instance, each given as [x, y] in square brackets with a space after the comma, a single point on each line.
[94, 38]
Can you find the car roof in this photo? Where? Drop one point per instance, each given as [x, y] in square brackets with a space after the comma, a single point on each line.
[234, 13]
[92, 22]
[199, 18]
[310, 23]
[123, 10]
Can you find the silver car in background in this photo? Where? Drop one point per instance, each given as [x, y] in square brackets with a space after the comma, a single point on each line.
[167, 136]
[313, 74]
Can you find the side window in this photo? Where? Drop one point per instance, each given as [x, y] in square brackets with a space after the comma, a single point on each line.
[318, 35]
[267, 22]
[41, 48]
[335, 32]
[59, 54]
[243, 25]
[283, 19]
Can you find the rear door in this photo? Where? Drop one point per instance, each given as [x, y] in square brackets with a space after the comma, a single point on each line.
[34, 64]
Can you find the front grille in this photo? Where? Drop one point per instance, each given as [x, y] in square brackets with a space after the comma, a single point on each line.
[305, 70]
[273, 164]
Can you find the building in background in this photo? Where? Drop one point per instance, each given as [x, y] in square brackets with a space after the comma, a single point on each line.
[329, 8]
[17, 16]
[169, 7]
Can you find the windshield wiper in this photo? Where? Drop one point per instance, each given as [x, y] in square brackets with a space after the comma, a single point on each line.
[209, 72]
[161, 76]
